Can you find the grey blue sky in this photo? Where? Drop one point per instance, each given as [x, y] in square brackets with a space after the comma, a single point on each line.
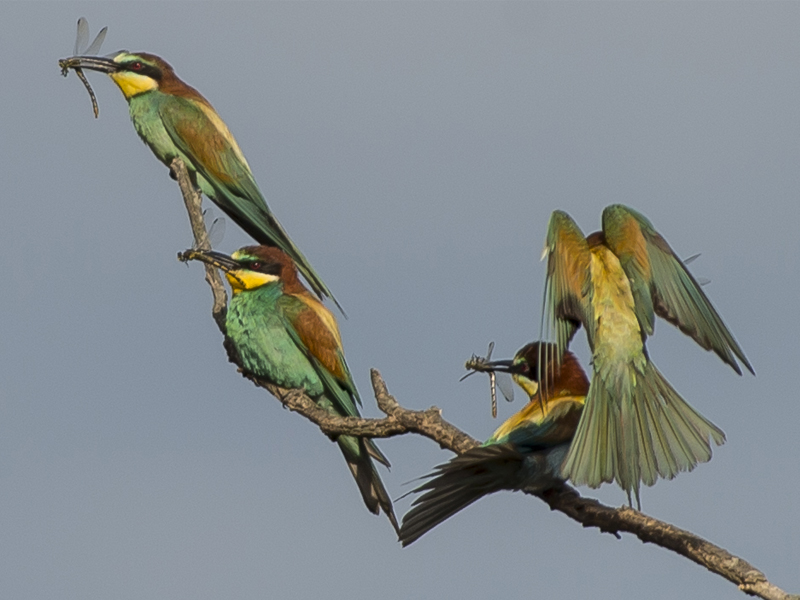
[414, 151]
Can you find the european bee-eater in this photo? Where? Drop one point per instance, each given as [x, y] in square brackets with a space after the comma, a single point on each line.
[526, 452]
[284, 334]
[175, 120]
[635, 427]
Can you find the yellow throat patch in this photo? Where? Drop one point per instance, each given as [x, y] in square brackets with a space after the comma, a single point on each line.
[242, 280]
[133, 83]
[530, 386]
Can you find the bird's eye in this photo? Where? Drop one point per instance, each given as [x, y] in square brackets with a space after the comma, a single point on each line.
[255, 266]
[137, 66]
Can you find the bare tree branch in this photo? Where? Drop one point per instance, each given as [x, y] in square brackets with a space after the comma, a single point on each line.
[429, 423]
[194, 206]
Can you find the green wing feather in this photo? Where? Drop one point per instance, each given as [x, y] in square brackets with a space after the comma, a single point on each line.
[341, 392]
[624, 237]
[567, 287]
[235, 190]
[662, 285]
[215, 158]
[340, 398]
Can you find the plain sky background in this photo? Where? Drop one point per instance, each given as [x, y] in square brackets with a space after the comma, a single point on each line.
[414, 151]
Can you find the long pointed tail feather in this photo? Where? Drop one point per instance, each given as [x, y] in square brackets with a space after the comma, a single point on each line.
[356, 453]
[376, 453]
[636, 428]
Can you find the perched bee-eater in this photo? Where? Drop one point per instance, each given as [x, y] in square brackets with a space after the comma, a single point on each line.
[635, 427]
[285, 335]
[175, 120]
[526, 452]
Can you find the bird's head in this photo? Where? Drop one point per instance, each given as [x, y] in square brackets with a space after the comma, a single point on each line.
[253, 267]
[134, 73]
[535, 367]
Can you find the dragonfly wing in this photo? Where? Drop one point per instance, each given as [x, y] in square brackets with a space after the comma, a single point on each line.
[94, 47]
[82, 37]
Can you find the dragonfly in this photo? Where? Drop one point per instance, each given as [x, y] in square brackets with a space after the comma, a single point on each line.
[83, 48]
[500, 380]
[214, 233]
[211, 237]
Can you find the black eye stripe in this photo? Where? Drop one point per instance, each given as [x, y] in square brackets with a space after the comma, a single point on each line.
[143, 68]
[268, 268]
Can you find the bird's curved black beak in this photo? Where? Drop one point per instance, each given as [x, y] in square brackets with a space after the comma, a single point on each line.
[216, 259]
[500, 366]
[94, 63]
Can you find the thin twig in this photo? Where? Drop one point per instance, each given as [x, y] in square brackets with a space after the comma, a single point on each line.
[194, 206]
[429, 423]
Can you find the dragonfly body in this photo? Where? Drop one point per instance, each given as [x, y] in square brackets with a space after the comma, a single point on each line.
[82, 47]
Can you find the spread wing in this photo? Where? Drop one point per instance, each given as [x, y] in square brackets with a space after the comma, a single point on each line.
[662, 285]
[568, 283]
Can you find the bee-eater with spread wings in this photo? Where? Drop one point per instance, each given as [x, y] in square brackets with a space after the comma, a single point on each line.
[283, 334]
[635, 426]
[176, 121]
[526, 452]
